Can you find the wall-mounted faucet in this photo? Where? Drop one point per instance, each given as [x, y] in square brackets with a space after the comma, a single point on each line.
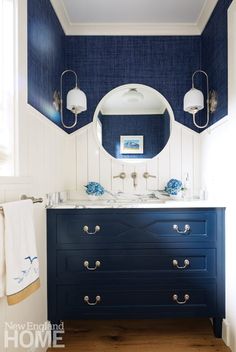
[134, 176]
[147, 175]
[122, 175]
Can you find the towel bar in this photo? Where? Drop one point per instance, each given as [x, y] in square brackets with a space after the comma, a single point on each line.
[34, 200]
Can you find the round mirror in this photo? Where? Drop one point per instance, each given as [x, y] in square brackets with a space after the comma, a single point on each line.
[133, 122]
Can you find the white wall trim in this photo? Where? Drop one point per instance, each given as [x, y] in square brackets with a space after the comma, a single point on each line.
[133, 28]
[226, 332]
[206, 14]
[61, 13]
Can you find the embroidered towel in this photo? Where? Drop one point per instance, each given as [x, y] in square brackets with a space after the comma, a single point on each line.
[2, 258]
[21, 260]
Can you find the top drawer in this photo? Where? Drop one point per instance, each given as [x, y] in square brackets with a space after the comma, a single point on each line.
[94, 228]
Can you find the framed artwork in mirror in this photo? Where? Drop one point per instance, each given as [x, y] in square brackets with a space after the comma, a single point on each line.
[131, 144]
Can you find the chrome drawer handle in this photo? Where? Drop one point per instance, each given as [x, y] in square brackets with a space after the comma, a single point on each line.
[96, 229]
[98, 300]
[186, 228]
[97, 265]
[186, 298]
[176, 263]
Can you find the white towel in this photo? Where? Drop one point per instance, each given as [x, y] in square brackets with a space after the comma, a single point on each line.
[21, 260]
[2, 257]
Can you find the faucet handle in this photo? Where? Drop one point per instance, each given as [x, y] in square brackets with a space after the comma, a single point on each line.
[122, 175]
[147, 175]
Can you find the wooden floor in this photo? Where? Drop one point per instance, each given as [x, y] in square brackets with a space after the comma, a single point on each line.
[165, 335]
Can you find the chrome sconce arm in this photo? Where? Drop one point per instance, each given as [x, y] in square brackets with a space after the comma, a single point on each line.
[61, 100]
[76, 100]
[194, 100]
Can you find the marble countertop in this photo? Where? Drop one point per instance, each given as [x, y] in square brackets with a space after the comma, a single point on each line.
[152, 203]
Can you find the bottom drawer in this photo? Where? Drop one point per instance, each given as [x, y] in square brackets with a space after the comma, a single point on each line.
[74, 302]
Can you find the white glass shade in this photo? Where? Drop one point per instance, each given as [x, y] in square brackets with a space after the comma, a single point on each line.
[133, 96]
[76, 101]
[193, 101]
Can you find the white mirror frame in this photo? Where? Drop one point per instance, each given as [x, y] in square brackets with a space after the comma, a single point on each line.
[132, 161]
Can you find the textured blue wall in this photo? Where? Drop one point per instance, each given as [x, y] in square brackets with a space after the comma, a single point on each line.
[214, 57]
[155, 130]
[46, 58]
[105, 62]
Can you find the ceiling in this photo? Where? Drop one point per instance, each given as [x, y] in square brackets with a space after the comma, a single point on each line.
[129, 16]
[118, 103]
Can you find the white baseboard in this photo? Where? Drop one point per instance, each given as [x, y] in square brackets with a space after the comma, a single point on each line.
[228, 336]
[225, 332]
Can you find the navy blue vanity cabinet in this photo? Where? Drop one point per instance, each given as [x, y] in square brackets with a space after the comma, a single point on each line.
[136, 263]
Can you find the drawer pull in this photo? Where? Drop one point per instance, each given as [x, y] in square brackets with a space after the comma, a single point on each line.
[98, 300]
[186, 298]
[96, 229]
[176, 264]
[186, 228]
[97, 265]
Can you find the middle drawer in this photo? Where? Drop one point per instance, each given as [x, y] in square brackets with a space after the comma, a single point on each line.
[166, 262]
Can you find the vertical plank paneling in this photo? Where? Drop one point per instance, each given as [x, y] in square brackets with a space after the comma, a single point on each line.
[176, 153]
[117, 183]
[105, 171]
[141, 181]
[129, 183]
[196, 165]
[82, 160]
[164, 167]
[187, 156]
[35, 141]
[70, 153]
[181, 156]
[152, 169]
[93, 158]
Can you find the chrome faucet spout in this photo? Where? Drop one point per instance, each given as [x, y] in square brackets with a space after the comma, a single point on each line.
[134, 176]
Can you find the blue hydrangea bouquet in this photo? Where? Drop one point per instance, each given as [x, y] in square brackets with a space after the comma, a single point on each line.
[174, 188]
[94, 189]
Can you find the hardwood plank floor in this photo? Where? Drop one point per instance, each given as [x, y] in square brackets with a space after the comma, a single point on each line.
[165, 335]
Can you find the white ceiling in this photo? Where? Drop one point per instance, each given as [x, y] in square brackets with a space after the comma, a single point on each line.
[134, 16]
[117, 104]
[133, 11]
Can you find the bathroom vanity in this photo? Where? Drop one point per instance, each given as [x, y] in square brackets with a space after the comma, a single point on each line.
[137, 263]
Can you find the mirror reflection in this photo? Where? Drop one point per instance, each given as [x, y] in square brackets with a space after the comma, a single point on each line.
[133, 122]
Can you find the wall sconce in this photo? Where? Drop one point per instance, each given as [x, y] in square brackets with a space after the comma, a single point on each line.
[76, 100]
[194, 100]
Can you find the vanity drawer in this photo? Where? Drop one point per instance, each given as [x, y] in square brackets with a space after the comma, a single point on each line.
[94, 229]
[93, 264]
[75, 301]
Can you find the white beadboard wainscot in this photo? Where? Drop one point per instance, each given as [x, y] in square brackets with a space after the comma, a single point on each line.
[179, 157]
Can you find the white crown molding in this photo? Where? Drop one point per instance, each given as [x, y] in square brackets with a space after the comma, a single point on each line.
[133, 28]
[206, 14]
[62, 15]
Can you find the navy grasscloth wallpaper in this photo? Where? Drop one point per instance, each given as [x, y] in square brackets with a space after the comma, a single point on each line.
[214, 56]
[155, 130]
[165, 63]
[46, 57]
[105, 62]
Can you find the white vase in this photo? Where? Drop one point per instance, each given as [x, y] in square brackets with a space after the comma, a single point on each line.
[178, 196]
